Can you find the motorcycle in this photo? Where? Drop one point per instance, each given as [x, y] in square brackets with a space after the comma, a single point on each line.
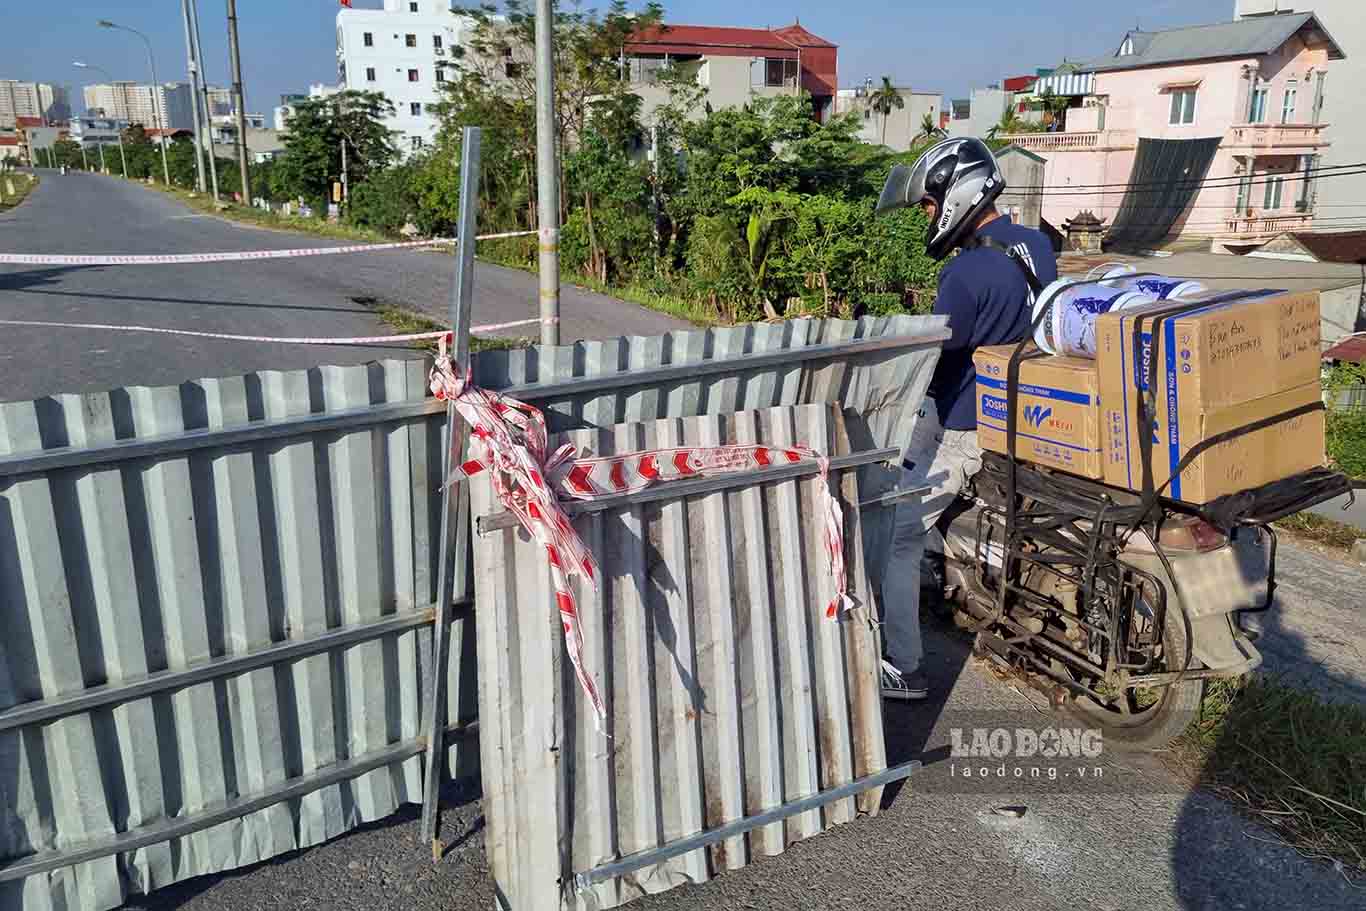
[1119, 608]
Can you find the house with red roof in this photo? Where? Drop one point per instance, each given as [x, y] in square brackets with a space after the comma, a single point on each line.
[736, 64]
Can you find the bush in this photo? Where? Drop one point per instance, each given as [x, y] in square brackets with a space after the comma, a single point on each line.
[1347, 441]
[386, 201]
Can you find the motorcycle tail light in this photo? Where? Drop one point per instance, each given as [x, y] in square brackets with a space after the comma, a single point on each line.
[1191, 533]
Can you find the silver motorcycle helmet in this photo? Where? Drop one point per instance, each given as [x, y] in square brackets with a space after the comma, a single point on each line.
[962, 179]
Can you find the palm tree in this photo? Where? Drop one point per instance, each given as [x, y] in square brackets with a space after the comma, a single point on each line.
[884, 101]
[929, 129]
[1009, 123]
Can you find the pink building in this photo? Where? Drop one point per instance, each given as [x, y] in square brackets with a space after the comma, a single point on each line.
[1210, 132]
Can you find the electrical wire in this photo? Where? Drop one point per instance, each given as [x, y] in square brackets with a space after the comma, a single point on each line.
[1209, 183]
[1165, 183]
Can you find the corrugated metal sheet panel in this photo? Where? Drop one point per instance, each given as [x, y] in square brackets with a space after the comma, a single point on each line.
[727, 690]
[116, 570]
[109, 574]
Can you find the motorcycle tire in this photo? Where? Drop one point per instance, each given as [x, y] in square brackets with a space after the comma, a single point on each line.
[1177, 705]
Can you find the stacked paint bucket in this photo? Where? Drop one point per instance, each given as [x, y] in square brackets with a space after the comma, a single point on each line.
[1070, 326]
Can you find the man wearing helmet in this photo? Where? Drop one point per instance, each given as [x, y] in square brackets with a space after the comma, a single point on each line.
[986, 291]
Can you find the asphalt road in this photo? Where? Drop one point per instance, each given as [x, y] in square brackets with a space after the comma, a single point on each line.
[84, 213]
[1138, 838]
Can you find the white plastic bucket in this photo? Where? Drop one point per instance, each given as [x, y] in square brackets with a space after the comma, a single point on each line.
[1070, 326]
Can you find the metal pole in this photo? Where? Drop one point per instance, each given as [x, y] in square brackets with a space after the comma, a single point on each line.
[547, 175]
[85, 165]
[193, 67]
[462, 298]
[156, 109]
[122, 157]
[238, 102]
[204, 84]
[103, 167]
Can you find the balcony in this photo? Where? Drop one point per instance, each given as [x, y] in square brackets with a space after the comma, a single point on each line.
[1276, 137]
[1092, 141]
[1254, 227]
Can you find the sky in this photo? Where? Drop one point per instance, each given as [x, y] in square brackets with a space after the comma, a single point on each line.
[947, 47]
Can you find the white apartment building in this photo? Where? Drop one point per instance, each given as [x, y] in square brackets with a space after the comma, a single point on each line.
[32, 99]
[167, 105]
[1338, 197]
[404, 52]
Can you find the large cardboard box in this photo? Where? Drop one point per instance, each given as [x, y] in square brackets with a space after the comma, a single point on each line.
[1228, 363]
[1058, 411]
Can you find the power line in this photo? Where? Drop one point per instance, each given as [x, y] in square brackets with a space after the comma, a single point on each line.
[1214, 183]
[1164, 183]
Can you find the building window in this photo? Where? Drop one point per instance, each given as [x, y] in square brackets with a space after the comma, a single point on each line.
[410, 40]
[1288, 103]
[1183, 107]
[436, 42]
[440, 75]
[412, 76]
[511, 68]
[1127, 47]
[415, 141]
[1318, 95]
[412, 7]
[1257, 109]
[369, 74]
[1306, 200]
[779, 73]
[1273, 193]
[415, 108]
[1244, 190]
[368, 39]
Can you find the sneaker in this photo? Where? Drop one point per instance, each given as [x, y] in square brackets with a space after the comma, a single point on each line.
[903, 687]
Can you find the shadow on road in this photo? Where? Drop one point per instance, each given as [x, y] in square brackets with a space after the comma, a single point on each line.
[5, 285]
[1218, 865]
[28, 279]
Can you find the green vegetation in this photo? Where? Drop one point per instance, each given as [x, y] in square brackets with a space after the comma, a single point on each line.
[740, 213]
[1316, 528]
[23, 184]
[1289, 759]
[1346, 429]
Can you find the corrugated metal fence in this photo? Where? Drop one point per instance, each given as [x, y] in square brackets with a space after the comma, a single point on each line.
[728, 693]
[216, 599]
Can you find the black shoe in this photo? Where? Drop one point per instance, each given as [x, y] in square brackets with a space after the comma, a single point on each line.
[911, 687]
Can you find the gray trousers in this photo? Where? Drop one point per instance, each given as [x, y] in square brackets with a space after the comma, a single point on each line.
[942, 460]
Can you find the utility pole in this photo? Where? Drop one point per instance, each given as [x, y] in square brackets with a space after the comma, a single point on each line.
[85, 165]
[193, 67]
[238, 102]
[204, 84]
[103, 167]
[155, 87]
[547, 175]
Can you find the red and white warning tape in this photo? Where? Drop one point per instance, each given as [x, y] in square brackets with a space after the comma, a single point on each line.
[177, 259]
[274, 339]
[529, 480]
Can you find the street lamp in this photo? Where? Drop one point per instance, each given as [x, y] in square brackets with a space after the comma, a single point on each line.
[156, 113]
[122, 157]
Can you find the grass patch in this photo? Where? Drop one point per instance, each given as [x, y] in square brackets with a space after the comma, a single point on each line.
[408, 322]
[23, 184]
[260, 218]
[1314, 527]
[1290, 760]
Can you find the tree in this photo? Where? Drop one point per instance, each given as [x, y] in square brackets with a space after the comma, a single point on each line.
[929, 129]
[884, 101]
[1054, 106]
[66, 153]
[313, 145]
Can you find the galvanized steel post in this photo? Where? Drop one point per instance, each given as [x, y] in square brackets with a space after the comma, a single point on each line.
[547, 175]
[449, 562]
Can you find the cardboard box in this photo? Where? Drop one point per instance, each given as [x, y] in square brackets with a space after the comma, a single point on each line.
[1058, 422]
[1220, 366]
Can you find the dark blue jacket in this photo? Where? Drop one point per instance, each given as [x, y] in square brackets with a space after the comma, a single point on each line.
[988, 302]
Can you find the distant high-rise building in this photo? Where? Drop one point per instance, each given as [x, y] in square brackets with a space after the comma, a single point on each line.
[49, 103]
[220, 101]
[153, 106]
[404, 51]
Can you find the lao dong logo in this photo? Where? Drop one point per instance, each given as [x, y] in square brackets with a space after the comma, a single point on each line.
[1023, 743]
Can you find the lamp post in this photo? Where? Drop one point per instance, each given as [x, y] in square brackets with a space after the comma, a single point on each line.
[99, 69]
[156, 112]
